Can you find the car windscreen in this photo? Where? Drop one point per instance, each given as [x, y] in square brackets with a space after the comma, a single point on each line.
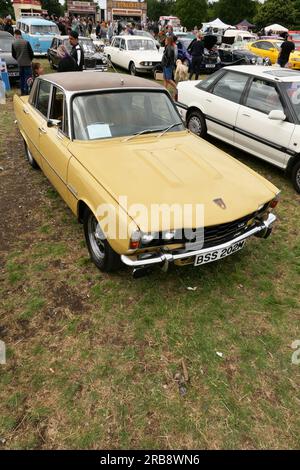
[5, 44]
[86, 44]
[141, 45]
[126, 113]
[292, 90]
[44, 29]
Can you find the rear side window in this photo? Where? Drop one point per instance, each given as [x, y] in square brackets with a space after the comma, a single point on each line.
[43, 96]
[231, 86]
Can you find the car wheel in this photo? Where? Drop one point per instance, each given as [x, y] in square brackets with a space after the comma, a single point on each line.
[101, 253]
[196, 123]
[30, 158]
[296, 176]
[132, 69]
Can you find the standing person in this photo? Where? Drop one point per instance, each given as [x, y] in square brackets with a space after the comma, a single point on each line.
[168, 64]
[196, 49]
[22, 52]
[90, 27]
[286, 48]
[77, 51]
[110, 31]
[8, 27]
[98, 30]
[66, 62]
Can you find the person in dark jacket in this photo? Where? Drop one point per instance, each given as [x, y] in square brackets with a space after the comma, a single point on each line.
[168, 64]
[286, 48]
[196, 49]
[8, 27]
[77, 51]
[66, 63]
[21, 51]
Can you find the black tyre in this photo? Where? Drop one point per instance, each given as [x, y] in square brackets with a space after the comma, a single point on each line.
[30, 158]
[296, 176]
[132, 69]
[101, 253]
[196, 123]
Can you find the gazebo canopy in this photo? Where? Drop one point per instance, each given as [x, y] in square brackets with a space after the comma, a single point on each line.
[276, 28]
[245, 24]
[217, 23]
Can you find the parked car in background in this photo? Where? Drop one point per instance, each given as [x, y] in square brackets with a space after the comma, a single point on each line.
[6, 41]
[93, 60]
[38, 32]
[76, 129]
[296, 38]
[137, 54]
[146, 34]
[268, 48]
[257, 109]
[234, 56]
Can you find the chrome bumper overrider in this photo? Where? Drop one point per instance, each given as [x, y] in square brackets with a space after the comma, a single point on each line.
[164, 257]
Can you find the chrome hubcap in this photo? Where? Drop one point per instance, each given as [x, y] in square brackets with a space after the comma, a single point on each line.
[96, 238]
[195, 125]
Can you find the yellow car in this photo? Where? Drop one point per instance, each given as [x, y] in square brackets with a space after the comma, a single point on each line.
[270, 48]
[147, 191]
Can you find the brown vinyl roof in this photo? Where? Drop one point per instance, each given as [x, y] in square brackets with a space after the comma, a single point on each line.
[85, 81]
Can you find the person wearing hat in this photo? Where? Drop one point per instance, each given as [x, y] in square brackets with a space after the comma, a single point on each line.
[77, 51]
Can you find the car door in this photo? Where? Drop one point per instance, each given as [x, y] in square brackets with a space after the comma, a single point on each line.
[222, 104]
[54, 142]
[114, 51]
[123, 59]
[258, 134]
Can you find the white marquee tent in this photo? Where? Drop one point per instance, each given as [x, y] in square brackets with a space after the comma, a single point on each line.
[276, 28]
[217, 23]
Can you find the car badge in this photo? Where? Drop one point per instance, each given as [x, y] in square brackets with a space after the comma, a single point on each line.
[219, 201]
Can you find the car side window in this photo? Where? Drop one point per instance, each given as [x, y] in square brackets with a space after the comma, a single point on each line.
[123, 44]
[231, 86]
[42, 101]
[57, 107]
[117, 42]
[263, 97]
[54, 44]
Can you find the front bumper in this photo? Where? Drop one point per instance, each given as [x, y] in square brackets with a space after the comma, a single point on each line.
[163, 258]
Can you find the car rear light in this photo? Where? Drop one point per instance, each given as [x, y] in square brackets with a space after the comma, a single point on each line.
[274, 202]
[135, 240]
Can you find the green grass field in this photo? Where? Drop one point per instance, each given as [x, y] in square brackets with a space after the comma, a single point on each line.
[104, 361]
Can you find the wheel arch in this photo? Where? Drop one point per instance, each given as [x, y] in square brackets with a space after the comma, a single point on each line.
[291, 163]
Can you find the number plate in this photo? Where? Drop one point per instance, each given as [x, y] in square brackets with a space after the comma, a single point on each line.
[210, 66]
[219, 254]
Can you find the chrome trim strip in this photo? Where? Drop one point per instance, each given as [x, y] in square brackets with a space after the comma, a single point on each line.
[159, 258]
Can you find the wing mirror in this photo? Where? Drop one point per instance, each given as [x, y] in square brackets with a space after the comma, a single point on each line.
[277, 115]
[53, 122]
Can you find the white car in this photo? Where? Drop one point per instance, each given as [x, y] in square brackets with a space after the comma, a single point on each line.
[138, 54]
[254, 108]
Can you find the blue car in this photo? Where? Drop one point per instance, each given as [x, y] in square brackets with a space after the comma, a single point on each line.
[38, 32]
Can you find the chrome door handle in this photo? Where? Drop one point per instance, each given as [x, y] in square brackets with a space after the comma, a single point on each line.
[209, 101]
[25, 110]
[246, 115]
[42, 130]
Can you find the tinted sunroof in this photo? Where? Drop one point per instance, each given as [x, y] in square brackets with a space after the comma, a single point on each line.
[283, 73]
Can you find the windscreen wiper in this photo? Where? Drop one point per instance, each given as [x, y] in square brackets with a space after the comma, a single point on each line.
[167, 129]
[144, 131]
